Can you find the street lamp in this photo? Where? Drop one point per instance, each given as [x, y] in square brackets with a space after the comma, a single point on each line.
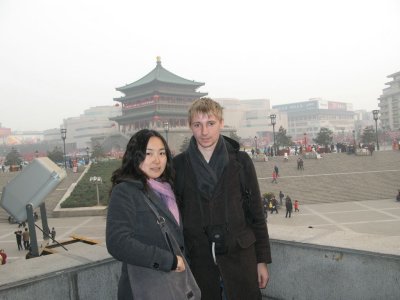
[166, 128]
[64, 136]
[87, 153]
[354, 138]
[376, 117]
[255, 142]
[305, 141]
[96, 180]
[273, 122]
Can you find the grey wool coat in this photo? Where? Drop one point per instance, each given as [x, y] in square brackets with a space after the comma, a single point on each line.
[248, 244]
[132, 234]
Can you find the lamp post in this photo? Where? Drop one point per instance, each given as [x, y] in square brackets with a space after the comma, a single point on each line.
[96, 180]
[87, 153]
[305, 141]
[64, 136]
[166, 129]
[273, 122]
[255, 142]
[354, 138]
[375, 113]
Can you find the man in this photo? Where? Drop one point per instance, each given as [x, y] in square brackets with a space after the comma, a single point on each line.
[25, 238]
[289, 207]
[225, 248]
[53, 235]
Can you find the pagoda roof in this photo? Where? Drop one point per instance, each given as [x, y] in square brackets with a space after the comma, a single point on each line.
[159, 73]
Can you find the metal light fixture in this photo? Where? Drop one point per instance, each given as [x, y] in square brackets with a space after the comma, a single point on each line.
[273, 122]
[64, 136]
[375, 113]
[166, 129]
[96, 180]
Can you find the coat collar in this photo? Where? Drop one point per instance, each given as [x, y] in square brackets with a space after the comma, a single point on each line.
[155, 200]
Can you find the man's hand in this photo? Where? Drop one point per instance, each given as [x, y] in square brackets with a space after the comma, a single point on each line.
[263, 275]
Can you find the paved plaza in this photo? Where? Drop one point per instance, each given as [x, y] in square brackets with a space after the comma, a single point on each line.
[366, 225]
[372, 224]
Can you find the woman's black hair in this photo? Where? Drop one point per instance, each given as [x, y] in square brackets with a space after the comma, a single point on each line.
[135, 154]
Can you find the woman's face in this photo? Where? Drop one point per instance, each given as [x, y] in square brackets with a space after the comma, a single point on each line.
[156, 158]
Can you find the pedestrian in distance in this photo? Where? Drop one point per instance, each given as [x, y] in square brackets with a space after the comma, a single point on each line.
[296, 206]
[276, 169]
[289, 207]
[53, 234]
[25, 238]
[133, 234]
[3, 257]
[281, 195]
[18, 236]
[227, 242]
[274, 177]
[274, 205]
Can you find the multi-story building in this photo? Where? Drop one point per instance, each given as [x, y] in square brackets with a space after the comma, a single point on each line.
[93, 123]
[158, 98]
[389, 104]
[251, 118]
[306, 118]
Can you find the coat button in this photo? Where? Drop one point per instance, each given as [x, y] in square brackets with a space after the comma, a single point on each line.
[156, 265]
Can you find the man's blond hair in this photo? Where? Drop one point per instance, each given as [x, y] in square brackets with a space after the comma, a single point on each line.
[206, 106]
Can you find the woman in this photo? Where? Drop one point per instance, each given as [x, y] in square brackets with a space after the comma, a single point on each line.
[132, 233]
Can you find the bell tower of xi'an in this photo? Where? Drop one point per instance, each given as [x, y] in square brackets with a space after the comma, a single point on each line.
[158, 99]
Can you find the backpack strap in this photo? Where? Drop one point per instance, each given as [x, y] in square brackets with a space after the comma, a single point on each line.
[246, 192]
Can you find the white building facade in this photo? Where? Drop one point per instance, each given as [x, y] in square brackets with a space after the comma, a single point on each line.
[389, 104]
[93, 123]
[306, 118]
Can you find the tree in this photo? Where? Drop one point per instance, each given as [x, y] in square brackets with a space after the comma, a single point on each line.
[324, 137]
[282, 139]
[185, 144]
[368, 135]
[56, 155]
[98, 151]
[13, 158]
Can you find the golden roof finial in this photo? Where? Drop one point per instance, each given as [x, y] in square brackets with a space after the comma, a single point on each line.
[158, 59]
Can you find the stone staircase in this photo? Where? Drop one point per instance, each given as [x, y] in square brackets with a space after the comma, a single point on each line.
[336, 177]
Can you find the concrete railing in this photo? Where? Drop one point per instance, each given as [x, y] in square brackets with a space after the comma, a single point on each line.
[298, 271]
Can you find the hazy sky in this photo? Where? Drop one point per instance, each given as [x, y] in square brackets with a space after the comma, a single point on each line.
[58, 58]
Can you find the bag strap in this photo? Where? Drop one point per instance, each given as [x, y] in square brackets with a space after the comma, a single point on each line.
[246, 192]
[163, 226]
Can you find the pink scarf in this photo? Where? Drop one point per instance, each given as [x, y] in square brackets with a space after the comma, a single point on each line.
[167, 195]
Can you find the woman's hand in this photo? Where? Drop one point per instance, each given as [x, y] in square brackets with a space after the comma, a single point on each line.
[180, 267]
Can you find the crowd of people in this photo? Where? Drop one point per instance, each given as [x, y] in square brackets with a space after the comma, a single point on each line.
[271, 204]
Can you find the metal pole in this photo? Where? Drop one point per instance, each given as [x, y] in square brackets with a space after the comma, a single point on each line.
[65, 157]
[98, 198]
[376, 132]
[273, 129]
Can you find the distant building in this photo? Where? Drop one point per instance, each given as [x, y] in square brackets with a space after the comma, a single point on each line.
[251, 118]
[94, 123]
[306, 118]
[158, 98]
[389, 104]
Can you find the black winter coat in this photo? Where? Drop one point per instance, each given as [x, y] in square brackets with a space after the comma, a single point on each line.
[247, 244]
[132, 234]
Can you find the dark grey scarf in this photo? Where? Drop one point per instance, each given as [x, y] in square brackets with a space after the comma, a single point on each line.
[208, 174]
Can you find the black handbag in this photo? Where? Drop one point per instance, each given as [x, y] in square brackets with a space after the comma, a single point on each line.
[153, 284]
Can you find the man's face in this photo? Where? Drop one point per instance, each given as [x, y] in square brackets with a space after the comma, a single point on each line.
[206, 130]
